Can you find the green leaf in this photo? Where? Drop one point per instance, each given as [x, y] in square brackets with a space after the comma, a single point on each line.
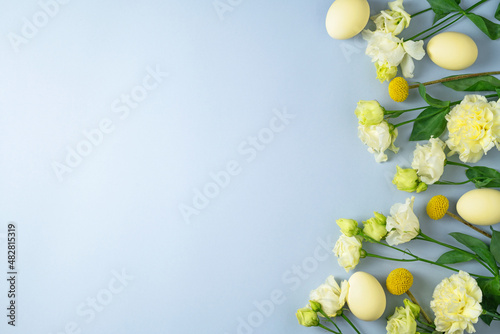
[476, 84]
[483, 177]
[478, 247]
[430, 123]
[492, 30]
[438, 17]
[497, 13]
[495, 244]
[430, 100]
[491, 296]
[444, 6]
[455, 256]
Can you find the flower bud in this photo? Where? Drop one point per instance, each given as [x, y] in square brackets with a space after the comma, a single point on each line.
[315, 306]
[307, 317]
[348, 226]
[408, 180]
[415, 309]
[421, 187]
[385, 71]
[369, 112]
[375, 227]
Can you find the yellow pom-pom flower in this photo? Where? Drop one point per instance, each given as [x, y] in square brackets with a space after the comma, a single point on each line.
[437, 207]
[398, 89]
[399, 281]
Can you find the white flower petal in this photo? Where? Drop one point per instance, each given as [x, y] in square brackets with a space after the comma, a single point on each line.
[414, 49]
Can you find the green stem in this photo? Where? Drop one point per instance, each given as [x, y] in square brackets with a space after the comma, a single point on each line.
[427, 324]
[350, 323]
[421, 12]
[328, 329]
[425, 328]
[417, 258]
[422, 236]
[475, 5]
[462, 13]
[453, 163]
[494, 315]
[329, 319]
[388, 112]
[432, 27]
[389, 258]
[448, 183]
[446, 26]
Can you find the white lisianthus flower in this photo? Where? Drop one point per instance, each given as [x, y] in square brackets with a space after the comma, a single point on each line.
[403, 319]
[402, 225]
[379, 138]
[456, 304]
[394, 20]
[348, 251]
[331, 296]
[429, 159]
[388, 50]
[474, 128]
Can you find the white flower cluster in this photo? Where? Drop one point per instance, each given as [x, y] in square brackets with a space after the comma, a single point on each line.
[387, 50]
[400, 227]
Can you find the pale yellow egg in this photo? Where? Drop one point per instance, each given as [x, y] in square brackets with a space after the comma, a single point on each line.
[366, 297]
[346, 18]
[452, 50]
[480, 206]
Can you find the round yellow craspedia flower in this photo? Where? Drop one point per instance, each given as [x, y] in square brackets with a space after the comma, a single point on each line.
[399, 281]
[398, 89]
[437, 207]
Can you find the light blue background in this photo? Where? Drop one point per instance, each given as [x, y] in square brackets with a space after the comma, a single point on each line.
[255, 250]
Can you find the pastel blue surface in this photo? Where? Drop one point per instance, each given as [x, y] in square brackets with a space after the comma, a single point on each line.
[178, 167]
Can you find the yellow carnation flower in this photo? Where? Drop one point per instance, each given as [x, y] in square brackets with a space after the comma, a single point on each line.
[474, 128]
[456, 304]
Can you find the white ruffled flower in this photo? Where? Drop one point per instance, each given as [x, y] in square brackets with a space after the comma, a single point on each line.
[348, 251]
[428, 160]
[403, 319]
[474, 128]
[402, 224]
[456, 304]
[331, 296]
[378, 138]
[394, 20]
[388, 50]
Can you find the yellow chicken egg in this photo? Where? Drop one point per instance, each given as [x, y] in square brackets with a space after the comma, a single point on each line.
[452, 50]
[346, 18]
[366, 297]
[480, 206]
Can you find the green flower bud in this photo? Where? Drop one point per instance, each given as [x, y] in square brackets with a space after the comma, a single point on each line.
[307, 317]
[421, 187]
[414, 308]
[385, 71]
[315, 306]
[348, 226]
[375, 227]
[369, 112]
[406, 179]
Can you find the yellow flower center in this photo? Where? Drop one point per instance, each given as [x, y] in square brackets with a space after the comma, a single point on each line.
[398, 89]
[437, 207]
[399, 281]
